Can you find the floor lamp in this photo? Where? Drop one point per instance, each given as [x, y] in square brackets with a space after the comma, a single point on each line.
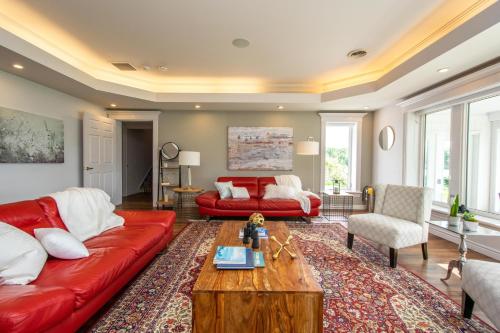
[309, 148]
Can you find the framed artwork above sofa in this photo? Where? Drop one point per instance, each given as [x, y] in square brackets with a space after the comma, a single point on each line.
[260, 148]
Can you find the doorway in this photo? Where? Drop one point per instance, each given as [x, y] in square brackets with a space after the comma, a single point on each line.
[137, 164]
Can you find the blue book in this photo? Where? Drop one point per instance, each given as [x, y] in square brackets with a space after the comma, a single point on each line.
[249, 264]
[263, 233]
[258, 259]
[230, 255]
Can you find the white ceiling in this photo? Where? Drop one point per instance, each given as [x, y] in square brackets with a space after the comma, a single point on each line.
[296, 47]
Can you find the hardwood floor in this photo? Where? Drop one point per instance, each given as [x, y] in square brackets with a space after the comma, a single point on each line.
[432, 270]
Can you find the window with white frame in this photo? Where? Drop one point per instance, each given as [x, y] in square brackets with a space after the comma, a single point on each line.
[341, 150]
[437, 154]
[339, 143]
[461, 154]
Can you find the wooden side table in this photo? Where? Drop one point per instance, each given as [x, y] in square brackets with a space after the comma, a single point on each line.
[185, 193]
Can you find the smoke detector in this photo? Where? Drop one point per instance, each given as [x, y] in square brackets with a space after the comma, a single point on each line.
[358, 53]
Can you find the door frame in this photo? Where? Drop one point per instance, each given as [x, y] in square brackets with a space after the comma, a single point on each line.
[152, 116]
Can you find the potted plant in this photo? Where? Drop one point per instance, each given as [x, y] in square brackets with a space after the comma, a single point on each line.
[470, 222]
[454, 218]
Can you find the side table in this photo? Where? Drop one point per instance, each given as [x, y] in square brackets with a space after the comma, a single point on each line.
[337, 206]
[462, 247]
[185, 194]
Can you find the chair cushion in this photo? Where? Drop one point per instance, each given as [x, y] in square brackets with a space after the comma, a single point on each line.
[135, 237]
[386, 230]
[33, 308]
[208, 199]
[25, 215]
[87, 277]
[402, 202]
[480, 281]
[165, 219]
[237, 204]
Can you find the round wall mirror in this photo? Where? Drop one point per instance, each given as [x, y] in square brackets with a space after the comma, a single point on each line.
[170, 150]
[386, 138]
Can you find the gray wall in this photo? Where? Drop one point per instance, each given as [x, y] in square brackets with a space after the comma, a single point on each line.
[206, 132]
[137, 157]
[28, 181]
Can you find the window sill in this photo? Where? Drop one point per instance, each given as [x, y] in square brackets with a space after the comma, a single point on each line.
[483, 220]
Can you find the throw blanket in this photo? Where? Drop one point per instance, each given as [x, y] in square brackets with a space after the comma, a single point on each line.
[301, 196]
[86, 212]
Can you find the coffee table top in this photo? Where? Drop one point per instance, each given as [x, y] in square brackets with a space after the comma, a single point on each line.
[282, 275]
[459, 229]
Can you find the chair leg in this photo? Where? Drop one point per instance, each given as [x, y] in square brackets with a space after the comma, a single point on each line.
[467, 305]
[424, 251]
[350, 240]
[393, 256]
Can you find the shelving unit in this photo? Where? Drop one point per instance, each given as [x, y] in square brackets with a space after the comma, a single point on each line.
[169, 178]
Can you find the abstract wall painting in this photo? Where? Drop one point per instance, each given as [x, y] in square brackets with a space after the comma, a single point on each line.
[30, 138]
[260, 148]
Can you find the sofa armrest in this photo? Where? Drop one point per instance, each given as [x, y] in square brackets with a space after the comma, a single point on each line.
[315, 201]
[208, 199]
[165, 218]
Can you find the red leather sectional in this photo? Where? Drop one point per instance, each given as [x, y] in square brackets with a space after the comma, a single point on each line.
[68, 292]
[210, 203]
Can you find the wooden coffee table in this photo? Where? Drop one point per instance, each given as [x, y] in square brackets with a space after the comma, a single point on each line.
[281, 297]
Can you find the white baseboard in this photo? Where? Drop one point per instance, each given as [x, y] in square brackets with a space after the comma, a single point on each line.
[452, 237]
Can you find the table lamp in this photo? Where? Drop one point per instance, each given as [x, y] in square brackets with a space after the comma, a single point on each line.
[309, 148]
[189, 158]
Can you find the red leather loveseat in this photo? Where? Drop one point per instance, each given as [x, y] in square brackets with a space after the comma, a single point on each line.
[68, 292]
[210, 204]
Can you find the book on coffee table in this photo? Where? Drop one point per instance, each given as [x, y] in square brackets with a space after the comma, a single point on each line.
[249, 262]
[230, 255]
[263, 233]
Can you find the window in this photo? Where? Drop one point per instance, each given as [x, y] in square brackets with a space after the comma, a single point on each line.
[437, 154]
[338, 155]
[483, 155]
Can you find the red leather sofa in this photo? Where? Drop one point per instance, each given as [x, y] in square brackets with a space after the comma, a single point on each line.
[68, 292]
[210, 204]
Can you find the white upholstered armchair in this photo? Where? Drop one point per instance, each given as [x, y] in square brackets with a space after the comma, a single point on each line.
[398, 219]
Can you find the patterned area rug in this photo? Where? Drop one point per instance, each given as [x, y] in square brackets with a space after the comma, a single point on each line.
[362, 294]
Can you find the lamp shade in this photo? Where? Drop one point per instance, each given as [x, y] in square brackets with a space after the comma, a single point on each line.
[189, 157]
[308, 148]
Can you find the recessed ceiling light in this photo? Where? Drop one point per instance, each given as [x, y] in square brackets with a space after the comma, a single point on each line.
[358, 53]
[365, 107]
[443, 70]
[280, 107]
[197, 106]
[163, 68]
[112, 105]
[146, 67]
[18, 66]
[241, 43]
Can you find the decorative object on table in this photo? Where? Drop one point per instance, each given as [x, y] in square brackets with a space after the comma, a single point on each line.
[336, 186]
[260, 148]
[170, 174]
[255, 237]
[454, 218]
[386, 138]
[283, 246]
[247, 233]
[257, 219]
[368, 198]
[309, 148]
[30, 138]
[263, 232]
[470, 222]
[189, 159]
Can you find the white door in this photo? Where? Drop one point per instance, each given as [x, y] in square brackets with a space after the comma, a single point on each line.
[99, 153]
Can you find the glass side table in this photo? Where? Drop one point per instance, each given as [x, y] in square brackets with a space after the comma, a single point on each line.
[462, 247]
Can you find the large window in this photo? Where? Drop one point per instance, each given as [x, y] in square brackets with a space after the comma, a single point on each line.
[483, 155]
[437, 154]
[339, 166]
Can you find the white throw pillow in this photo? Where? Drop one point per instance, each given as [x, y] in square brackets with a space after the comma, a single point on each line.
[240, 193]
[224, 189]
[61, 244]
[279, 192]
[22, 257]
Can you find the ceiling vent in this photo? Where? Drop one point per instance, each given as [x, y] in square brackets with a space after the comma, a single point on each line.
[124, 66]
[359, 53]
